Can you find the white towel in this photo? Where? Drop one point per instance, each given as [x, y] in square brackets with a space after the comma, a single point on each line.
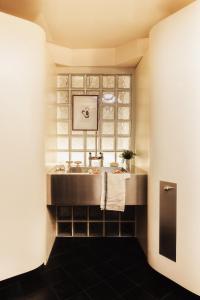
[113, 195]
[103, 189]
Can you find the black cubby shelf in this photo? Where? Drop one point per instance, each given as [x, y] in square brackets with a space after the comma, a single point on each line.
[91, 221]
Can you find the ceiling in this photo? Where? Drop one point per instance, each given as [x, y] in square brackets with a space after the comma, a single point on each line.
[93, 23]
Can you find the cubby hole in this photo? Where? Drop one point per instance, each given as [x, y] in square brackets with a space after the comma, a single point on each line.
[112, 229]
[80, 229]
[80, 213]
[64, 212]
[128, 214]
[128, 229]
[95, 213]
[96, 229]
[65, 228]
[111, 215]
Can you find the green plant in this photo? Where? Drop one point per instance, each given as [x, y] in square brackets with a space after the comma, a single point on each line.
[128, 154]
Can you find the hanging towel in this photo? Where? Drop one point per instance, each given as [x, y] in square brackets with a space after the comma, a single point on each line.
[114, 191]
[103, 189]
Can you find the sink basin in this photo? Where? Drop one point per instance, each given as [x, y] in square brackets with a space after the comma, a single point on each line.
[86, 170]
[79, 169]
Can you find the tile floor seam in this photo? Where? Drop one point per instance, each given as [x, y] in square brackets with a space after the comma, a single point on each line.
[158, 298]
[165, 296]
[137, 284]
[88, 295]
[86, 290]
[102, 280]
[54, 293]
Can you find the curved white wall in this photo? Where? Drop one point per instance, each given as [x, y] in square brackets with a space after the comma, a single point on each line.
[175, 139]
[142, 113]
[22, 201]
[126, 55]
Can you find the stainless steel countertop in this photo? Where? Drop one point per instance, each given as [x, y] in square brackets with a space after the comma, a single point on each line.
[134, 171]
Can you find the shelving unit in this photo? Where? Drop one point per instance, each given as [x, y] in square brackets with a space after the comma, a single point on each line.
[90, 221]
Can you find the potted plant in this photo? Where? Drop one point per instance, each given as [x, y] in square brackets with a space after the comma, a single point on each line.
[127, 155]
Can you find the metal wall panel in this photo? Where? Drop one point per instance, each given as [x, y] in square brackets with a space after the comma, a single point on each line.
[167, 239]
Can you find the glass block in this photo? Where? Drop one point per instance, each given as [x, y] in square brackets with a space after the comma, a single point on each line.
[107, 143]
[95, 213]
[76, 92]
[108, 112]
[111, 215]
[62, 127]
[119, 159]
[92, 81]
[108, 81]
[64, 212]
[65, 228]
[96, 229]
[112, 229]
[108, 97]
[124, 81]
[123, 112]
[91, 133]
[62, 81]
[80, 213]
[123, 97]
[92, 92]
[76, 132]
[77, 81]
[62, 143]
[75, 156]
[90, 142]
[123, 143]
[62, 157]
[128, 229]
[62, 112]
[108, 128]
[128, 214]
[108, 158]
[62, 96]
[77, 143]
[123, 128]
[80, 229]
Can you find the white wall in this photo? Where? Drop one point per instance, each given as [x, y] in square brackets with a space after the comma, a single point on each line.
[22, 180]
[126, 55]
[142, 113]
[175, 140]
[50, 138]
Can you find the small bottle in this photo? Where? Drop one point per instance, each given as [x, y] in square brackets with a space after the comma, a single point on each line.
[101, 157]
[90, 159]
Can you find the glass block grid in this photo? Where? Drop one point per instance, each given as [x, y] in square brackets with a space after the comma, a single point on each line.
[90, 221]
[115, 122]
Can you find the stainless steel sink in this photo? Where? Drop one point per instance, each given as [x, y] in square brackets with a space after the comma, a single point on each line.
[86, 170]
[78, 187]
[79, 170]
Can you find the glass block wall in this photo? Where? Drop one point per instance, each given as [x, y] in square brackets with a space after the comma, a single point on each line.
[114, 134]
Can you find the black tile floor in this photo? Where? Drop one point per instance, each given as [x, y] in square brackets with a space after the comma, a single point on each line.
[94, 269]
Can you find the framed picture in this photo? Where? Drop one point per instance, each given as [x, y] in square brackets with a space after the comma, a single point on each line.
[85, 112]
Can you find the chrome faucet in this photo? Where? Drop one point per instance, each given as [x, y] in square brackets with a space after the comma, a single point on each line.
[96, 157]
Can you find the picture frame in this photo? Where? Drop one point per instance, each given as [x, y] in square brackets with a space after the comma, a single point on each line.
[85, 112]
